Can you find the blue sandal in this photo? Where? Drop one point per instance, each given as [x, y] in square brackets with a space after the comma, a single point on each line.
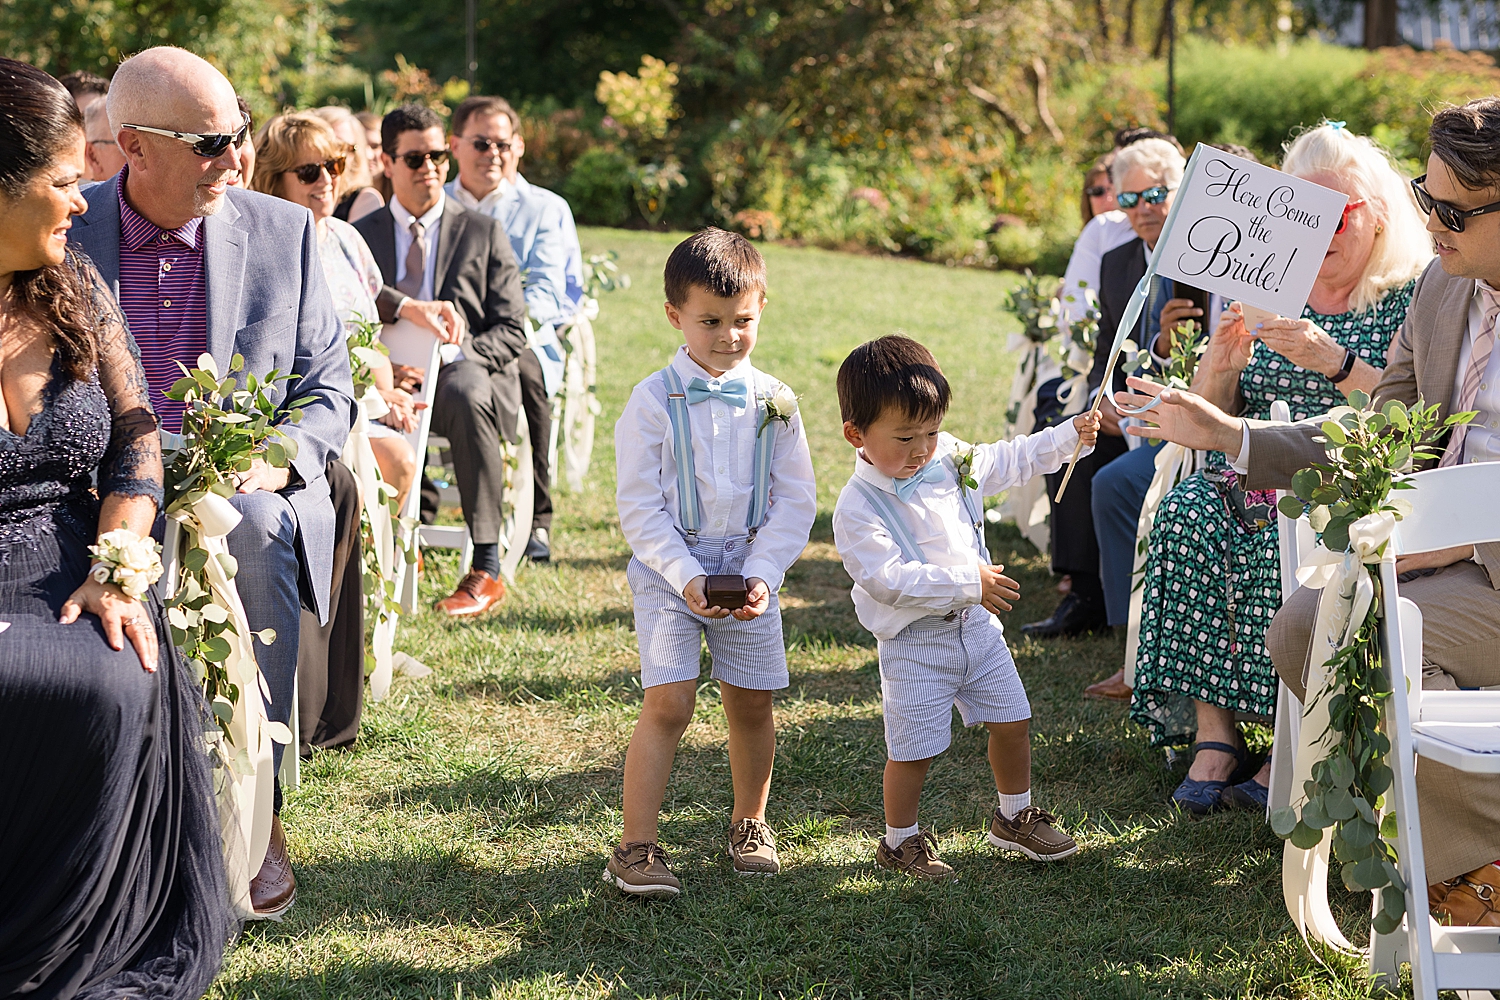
[1248, 794]
[1203, 797]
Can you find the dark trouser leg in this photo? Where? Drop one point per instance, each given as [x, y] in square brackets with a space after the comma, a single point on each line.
[539, 421]
[465, 411]
[1119, 490]
[331, 658]
[1460, 648]
[264, 544]
[1074, 547]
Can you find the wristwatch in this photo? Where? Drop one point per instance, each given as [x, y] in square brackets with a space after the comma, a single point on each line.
[1348, 366]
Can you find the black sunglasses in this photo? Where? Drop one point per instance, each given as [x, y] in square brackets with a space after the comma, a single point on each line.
[1097, 191]
[483, 145]
[1151, 196]
[1449, 215]
[414, 160]
[309, 173]
[206, 144]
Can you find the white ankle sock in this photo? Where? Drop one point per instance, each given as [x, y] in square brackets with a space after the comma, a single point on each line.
[1012, 804]
[894, 835]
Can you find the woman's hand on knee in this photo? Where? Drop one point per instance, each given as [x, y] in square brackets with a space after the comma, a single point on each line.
[757, 602]
[122, 617]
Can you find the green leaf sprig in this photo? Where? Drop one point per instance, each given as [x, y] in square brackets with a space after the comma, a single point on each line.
[1369, 452]
[601, 273]
[1033, 302]
[364, 337]
[225, 426]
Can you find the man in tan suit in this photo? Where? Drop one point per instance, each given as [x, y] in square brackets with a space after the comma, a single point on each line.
[1444, 354]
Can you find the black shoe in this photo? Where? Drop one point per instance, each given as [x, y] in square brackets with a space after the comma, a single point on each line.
[537, 549]
[1074, 616]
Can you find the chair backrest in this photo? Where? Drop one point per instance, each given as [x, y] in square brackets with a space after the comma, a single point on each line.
[1450, 507]
[417, 347]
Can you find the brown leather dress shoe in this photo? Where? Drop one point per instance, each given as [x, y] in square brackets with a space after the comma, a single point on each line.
[274, 889]
[1112, 688]
[476, 593]
[1474, 902]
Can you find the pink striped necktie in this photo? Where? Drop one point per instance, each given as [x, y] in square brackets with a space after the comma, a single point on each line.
[1479, 359]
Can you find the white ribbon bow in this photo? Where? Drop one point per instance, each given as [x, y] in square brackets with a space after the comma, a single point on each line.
[1347, 594]
[359, 457]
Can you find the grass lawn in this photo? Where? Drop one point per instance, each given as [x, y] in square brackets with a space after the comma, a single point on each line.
[457, 851]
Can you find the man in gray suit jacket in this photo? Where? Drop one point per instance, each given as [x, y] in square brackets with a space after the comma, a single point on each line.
[1444, 354]
[453, 271]
[198, 268]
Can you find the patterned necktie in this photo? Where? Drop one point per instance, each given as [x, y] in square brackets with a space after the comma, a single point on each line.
[416, 261]
[733, 392]
[1479, 359]
[906, 489]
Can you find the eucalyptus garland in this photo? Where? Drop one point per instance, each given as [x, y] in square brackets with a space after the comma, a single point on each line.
[224, 428]
[1369, 454]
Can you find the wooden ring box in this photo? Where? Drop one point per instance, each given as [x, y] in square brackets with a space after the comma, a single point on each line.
[726, 592]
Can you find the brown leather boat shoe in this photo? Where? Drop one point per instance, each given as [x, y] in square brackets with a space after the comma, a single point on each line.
[274, 889]
[476, 593]
[1112, 688]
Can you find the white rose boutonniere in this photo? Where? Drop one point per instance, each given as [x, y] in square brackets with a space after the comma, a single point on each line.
[127, 560]
[780, 405]
[963, 461]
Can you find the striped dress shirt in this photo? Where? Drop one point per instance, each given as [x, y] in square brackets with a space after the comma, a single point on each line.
[164, 296]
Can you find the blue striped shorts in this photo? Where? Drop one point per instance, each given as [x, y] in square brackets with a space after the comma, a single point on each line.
[934, 665]
[748, 654]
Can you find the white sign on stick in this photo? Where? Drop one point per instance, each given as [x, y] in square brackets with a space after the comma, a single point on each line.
[1249, 232]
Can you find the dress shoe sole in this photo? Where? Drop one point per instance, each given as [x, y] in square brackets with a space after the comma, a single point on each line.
[468, 614]
[276, 915]
[645, 891]
[1006, 845]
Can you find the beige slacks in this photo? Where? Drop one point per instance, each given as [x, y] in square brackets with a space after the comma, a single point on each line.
[1460, 648]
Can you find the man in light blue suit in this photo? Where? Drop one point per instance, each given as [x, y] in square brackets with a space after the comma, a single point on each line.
[487, 143]
[200, 267]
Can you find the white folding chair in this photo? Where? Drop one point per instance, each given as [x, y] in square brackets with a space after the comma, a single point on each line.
[1297, 540]
[413, 345]
[576, 406]
[1451, 507]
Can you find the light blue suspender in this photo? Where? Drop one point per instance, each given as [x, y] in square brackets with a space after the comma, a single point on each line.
[682, 451]
[886, 509]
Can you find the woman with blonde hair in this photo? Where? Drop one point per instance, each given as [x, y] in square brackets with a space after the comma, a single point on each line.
[360, 197]
[1212, 577]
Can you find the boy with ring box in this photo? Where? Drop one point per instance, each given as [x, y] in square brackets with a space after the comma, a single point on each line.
[716, 498]
[909, 526]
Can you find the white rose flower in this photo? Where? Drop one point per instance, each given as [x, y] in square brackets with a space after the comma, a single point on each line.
[783, 402]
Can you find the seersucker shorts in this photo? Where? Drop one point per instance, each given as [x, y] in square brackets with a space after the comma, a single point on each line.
[935, 664]
[749, 654]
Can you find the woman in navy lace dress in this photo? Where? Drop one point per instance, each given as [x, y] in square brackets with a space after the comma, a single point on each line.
[111, 874]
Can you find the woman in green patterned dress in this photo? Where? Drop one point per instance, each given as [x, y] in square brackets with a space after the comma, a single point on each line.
[1212, 576]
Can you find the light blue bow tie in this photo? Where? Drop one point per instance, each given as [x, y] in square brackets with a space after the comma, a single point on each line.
[734, 393]
[932, 472]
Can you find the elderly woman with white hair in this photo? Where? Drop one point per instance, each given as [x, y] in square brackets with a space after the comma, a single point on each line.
[1212, 576]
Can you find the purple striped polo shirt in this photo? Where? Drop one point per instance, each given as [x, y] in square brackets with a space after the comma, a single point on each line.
[164, 296]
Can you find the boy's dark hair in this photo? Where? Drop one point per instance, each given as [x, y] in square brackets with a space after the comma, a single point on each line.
[1467, 139]
[891, 371]
[723, 264]
[81, 82]
[407, 118]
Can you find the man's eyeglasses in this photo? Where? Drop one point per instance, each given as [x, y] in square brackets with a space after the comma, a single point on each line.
[414, 160]
[483, 145]
[1151, 196]
[309, 173]
[1097, 191]
[1344, 219]
[206, 144]
[1449, 215]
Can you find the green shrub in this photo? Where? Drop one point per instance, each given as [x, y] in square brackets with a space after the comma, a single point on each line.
[598, 187]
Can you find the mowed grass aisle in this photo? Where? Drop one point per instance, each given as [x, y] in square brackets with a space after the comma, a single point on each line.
[457, 851]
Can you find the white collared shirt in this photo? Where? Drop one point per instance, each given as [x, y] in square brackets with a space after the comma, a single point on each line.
[1100, 235]
[429, 219]
[724, 468]
[491, 204]
[1482, 440]
[889, 592]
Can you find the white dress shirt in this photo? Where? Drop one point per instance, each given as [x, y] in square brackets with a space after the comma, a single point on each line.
[889, 592]
[1100, 235]
[724, 468]
[430, 223]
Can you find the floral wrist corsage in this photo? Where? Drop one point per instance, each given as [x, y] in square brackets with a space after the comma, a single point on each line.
[780, 405]
[127, 560]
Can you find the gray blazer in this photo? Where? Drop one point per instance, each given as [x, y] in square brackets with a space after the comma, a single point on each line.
[475, 270]
[1422, 363]
[267, 300]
